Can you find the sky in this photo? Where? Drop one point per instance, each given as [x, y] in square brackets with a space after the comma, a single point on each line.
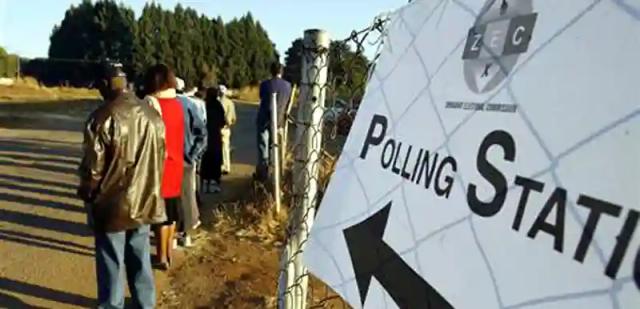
[25, 25]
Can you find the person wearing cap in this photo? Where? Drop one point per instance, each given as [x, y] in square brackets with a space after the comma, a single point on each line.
[230, 117]
[282, 89]
[120, 183]
[195, 144]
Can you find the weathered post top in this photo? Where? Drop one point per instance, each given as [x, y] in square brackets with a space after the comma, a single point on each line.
[316, 37]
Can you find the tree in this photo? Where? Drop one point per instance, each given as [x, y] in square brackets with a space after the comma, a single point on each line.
[293, 62]
[95, 32]
[347, 69]
[236, 72]
[200, 50]
[266, 53]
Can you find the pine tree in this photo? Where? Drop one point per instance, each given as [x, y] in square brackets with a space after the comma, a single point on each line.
[347, 69]
[293, 62]
[237, 71]
[200, 50]
[104, 30]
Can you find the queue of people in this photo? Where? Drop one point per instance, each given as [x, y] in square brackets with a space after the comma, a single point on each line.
[145, 162]
[141, 167]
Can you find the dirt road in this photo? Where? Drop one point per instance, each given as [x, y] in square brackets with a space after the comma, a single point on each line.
[46, 250]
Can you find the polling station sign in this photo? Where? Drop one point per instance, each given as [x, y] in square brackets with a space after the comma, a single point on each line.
[494, 162]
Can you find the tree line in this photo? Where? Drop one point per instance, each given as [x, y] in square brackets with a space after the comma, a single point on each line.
[8, 64]
[347, 68]
[201, 50]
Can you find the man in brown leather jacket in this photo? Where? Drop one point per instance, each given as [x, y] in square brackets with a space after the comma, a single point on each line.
[121, 174]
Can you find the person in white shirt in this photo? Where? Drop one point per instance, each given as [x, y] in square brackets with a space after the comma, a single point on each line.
[230, 118]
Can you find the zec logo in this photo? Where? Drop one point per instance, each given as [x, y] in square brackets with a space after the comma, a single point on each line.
[502, 31]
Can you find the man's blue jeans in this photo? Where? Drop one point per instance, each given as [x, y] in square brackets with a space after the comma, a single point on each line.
[128, 252]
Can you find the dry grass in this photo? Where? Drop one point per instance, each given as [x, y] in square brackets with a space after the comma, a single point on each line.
[247, 94]
[28, 89]
[254, 218]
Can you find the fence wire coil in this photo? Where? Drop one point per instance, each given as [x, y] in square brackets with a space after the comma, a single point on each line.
[334, 77]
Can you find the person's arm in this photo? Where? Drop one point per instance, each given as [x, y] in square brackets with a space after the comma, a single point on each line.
[232, 113]
[283, 104]
[222, 119]
[200, 134]
[93, 165]
[263, 110]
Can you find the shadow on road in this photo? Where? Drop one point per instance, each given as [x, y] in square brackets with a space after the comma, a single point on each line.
[8, 285]
[9, 301]
[43, 242]
[42, 182]
[40, 164]
[24, 157]
[48, 116]
[28, 149]
[35, 201]
[35, 221]
[56, 157]
[18, 186]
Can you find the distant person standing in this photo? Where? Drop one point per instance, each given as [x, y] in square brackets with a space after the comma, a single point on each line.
[160, 83]
[263, 122]
[120, 182]
[195, 144]
[197, 96]
[230, 118]
[211, 171]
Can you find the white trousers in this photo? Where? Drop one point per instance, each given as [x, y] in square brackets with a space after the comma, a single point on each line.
[226, 150]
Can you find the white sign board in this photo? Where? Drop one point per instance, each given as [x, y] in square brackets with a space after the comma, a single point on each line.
[494, 162]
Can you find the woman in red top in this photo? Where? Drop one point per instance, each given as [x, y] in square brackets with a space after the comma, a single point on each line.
[160, 83]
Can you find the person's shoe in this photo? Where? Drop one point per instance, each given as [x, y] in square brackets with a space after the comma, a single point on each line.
[186, 241]
[205, 187]
[163, 266]
[214, 187]
[160, 265]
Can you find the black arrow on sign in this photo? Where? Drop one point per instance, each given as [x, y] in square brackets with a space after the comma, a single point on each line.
[372, 257]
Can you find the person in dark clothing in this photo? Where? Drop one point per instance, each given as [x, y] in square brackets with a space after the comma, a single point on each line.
[263, 122]
[211, 170]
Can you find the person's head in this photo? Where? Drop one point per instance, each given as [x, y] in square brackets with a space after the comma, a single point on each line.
[201, 93]
[276, 69]
[212, 95]
[158, 78]
[222, 90]
[180, 85]
[112, 81]
[190, 92]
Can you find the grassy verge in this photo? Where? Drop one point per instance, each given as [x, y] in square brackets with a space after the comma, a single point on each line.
[247, 94]
[28, 89]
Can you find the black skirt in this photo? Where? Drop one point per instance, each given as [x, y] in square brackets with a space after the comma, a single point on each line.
[173, 210]
[211, 168]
